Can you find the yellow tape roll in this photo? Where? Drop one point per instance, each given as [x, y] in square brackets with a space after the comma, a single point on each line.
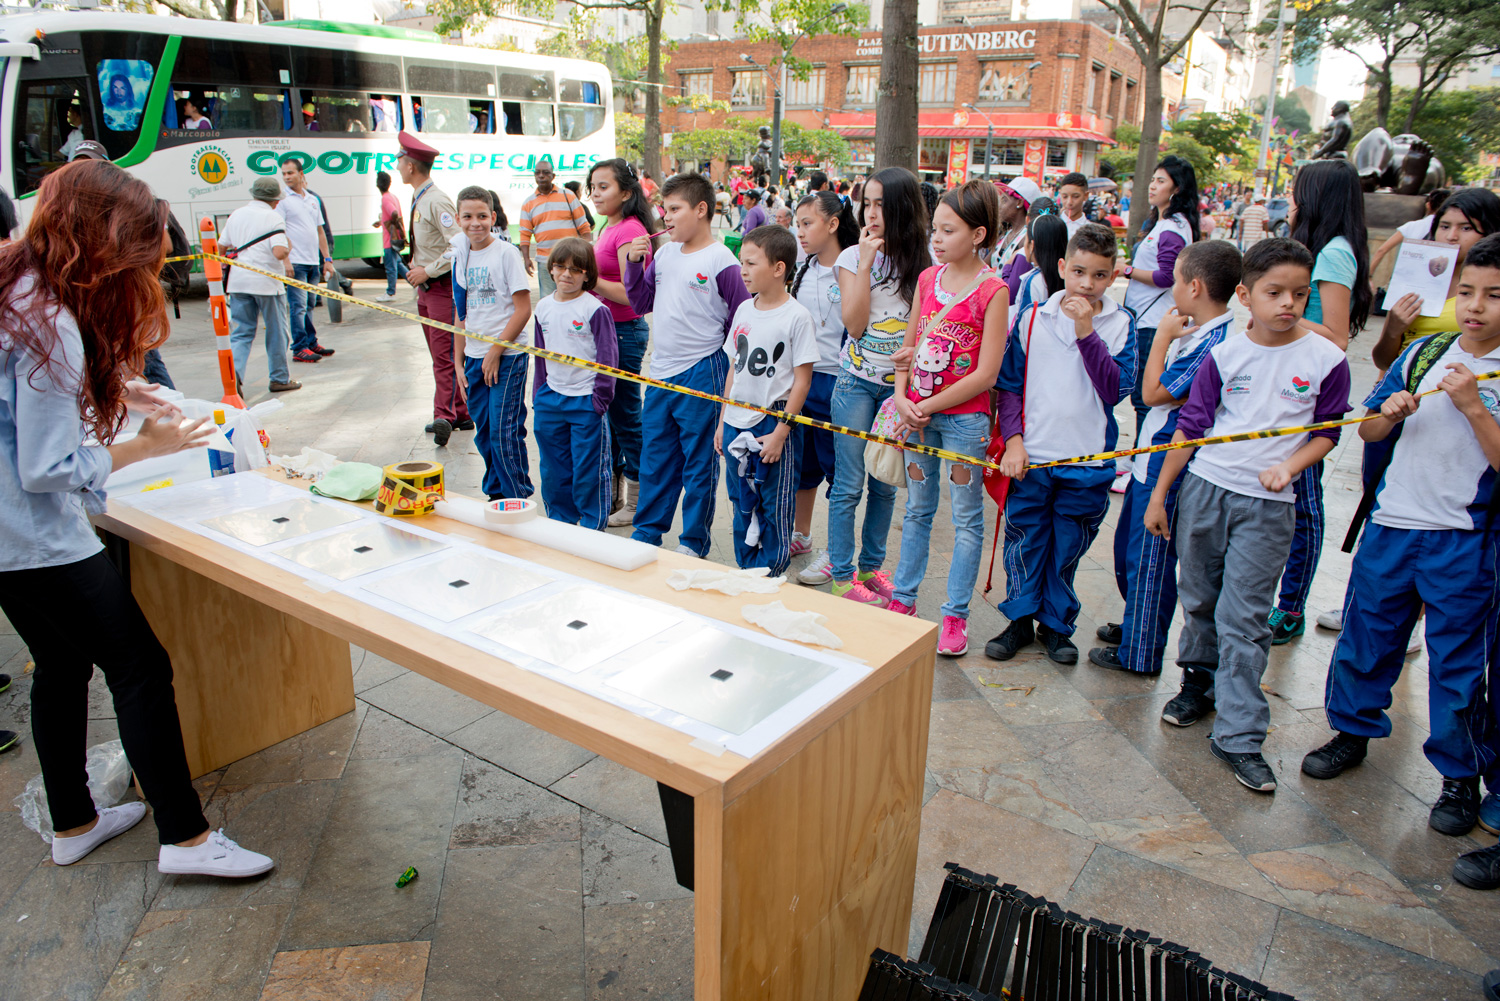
[410, 489]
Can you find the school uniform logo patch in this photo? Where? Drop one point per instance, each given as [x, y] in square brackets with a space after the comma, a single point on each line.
[699, 283]
[577, 326]
[1238, 386]
[1297, 390]
[833, 293]
[1491, 401]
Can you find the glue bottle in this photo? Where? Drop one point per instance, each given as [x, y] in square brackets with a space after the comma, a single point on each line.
[220, 462]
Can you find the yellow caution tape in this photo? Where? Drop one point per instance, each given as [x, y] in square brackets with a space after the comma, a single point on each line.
[409, 489]
[908, 446]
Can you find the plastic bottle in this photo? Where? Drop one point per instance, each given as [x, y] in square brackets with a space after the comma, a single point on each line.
[220, 462]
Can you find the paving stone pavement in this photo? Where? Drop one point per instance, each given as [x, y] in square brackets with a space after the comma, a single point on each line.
[543, 869]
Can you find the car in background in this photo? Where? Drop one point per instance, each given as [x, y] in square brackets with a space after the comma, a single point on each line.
[1277, 212]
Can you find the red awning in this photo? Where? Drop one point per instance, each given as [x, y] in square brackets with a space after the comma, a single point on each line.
[971, 132]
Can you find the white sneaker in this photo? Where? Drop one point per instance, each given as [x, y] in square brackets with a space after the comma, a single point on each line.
[218, 856]
[819, 571]
[1332, 619]
[112, 820]
[385, 298]
[684, 550]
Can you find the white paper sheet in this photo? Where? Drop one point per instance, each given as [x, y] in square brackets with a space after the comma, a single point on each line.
[1423, 267]
[456, 586]
[348, 554]
[579, 627]
[262, 526]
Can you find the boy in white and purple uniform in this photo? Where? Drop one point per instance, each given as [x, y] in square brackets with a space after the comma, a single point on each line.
[693, 286]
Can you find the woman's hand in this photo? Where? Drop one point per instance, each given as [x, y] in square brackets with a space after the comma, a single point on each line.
[911, 414]
[869, 246]
[141, 398]
[1406, 310]
[163, 432]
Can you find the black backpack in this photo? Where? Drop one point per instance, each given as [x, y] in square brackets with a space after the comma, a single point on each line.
[175, 275]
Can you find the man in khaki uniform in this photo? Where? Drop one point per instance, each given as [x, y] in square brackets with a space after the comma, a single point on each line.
[434, 221]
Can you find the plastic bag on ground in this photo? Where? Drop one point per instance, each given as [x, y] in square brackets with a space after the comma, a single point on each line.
[109, 780]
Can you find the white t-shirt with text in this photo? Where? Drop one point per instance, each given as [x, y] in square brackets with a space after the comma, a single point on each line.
[765, 346]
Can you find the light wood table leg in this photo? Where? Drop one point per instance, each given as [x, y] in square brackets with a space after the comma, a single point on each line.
[802, 872]
[246, 675]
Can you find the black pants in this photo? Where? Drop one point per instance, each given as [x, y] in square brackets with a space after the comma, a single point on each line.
[73, 617]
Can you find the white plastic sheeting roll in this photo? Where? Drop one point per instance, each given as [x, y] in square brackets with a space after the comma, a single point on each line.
[600, 547]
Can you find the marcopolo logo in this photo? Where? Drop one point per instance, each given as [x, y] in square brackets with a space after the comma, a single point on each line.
[212, 164]
[269, 161]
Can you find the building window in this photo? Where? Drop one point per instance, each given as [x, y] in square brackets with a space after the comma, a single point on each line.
[1131, 92]
[809, 91]
[749, 90]
[937, 83]
[1003, 82]
[698, 84]
[1003, 152]
[1057, 152]
[863, 85]
[1116, 85]
[933, 155]
[1095, 89]
[1065, 84]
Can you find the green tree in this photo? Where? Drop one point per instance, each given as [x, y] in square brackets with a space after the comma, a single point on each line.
[1459, 125]
[1442, 36]
[629, 130]
[1143, 23]
[626, 60]
[454, 15]
[1290, 115]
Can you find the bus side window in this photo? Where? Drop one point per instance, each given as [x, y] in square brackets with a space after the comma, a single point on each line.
[385, 113]
[52, 117]
[524, 118]
[582, 110]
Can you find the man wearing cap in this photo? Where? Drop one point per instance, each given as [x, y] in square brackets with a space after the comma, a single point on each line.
[257, 234]
[1015, 205]
[434, 222]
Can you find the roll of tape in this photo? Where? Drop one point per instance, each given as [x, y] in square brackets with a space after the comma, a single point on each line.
[511, 512]
[409, 489]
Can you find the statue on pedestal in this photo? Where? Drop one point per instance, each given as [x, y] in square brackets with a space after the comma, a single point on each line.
[1336, 134]
[760, 160]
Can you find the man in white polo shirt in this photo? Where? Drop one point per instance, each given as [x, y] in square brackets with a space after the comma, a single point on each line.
[303, 214]
[258, 234]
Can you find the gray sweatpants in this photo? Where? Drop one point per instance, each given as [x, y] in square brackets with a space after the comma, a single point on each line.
[1230, 552]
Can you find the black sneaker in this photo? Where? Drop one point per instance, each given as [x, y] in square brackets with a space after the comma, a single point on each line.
[1457, 808]
[1060, 649]
[1491, 985]
[321, 351]
[1111, 632]
[4, 682]
[1250, 768]
[1343, 752]
[1479, 870]
[1018, 634]
[8, 739]
[1188, 707]
[467, 424]
[428, 428]
[441, 432]
[1109, 657]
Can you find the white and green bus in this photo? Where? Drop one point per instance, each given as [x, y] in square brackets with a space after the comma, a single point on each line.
[197, 109]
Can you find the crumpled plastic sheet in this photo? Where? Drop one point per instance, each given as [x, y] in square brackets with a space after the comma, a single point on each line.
[311, 464]
[730, 581]
[800, 627]
[109, 779]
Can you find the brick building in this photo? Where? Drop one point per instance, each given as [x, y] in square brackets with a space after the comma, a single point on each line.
[1046, 120]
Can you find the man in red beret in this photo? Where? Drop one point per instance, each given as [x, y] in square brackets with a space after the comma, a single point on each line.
[434, 221]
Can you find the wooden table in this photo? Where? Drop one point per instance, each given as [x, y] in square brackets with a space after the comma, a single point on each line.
[804, 856]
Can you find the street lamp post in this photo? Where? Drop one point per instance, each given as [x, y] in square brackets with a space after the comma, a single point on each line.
[781, 85]
[989, 132]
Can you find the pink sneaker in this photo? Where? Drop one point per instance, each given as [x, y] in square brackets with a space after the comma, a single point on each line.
[800, 544]
[856, 591]
[953, 641]
[901, 608]
[880, 582]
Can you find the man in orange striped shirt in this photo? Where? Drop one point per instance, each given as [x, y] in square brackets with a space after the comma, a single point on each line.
[550, 215]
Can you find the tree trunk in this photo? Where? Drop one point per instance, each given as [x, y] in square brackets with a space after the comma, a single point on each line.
[651, 140]
[1382, 83]
[231, 10]
[1146, 153]
[896, 103]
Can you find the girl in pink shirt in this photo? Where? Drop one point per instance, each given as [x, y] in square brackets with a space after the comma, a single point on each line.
[942, 397]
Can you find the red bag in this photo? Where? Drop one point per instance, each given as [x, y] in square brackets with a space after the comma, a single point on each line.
[996, 483]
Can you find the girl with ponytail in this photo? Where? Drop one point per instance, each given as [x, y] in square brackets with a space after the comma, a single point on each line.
[825, 226]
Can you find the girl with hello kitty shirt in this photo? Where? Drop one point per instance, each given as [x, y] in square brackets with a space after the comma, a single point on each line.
[949, 360]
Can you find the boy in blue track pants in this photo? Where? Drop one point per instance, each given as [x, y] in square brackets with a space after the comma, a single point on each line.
[693, 286]
[1204, 280]
[1430, 541]
[1069, 361]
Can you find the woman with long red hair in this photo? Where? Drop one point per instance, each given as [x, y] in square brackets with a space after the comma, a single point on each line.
[80, 305]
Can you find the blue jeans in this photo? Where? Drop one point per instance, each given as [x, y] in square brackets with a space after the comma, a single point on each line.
[156, 370]
[545, 286]
[395, 268]
[678, 458]
[1396, 572]
[573, 442]
[625, 408]
[299, 307]
[499, 413]
[965, 433]
[854, 403]
[768, 492]
[243, 311]
[817, 444]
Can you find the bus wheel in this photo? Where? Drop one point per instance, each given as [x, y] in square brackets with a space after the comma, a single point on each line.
[374, 262]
